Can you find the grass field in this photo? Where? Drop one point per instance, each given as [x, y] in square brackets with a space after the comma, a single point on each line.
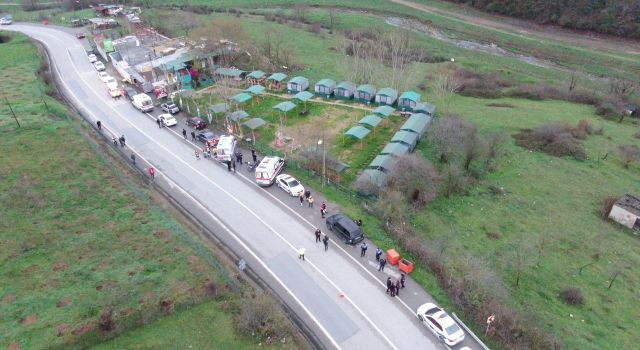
[79, 236]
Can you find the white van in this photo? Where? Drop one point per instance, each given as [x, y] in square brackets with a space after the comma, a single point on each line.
[225, 148]
[142, 102]
[268, 169]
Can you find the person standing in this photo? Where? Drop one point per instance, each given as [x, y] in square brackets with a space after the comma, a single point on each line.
[388, 284]
[310, 200]
[397, 287]
[307, 194]
[239, 157]
[378, 254]
[253, 155]
[301, 197]
[383, 262]
[301, 253]
[99, 123]
[233, 165]
[115, 141]
[193, 135]
[318, 233]
[323, 209]
[393, 289]
[363, 249]
[152, 173]
[197, 155]
[402, 277]
[122, 141]
[184, 133]
[159, 123]
[325, 240]
[133, 159]
[228, 165]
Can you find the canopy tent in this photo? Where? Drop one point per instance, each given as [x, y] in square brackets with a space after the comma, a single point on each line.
[237, 116]
[384, 110]
[418, 123]
[426, 108]
[285, 106]
[372, 120]
[395, 149]
[358, 132]
[383, 162]
[219, 108]
[242, 97]
[406, 137]
[303, 96]
[255, 89]
[254, 123]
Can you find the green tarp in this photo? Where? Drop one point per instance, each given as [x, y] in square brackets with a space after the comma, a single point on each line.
[254, 123]
[303, 96]
[285, 106]
[372, 120]
[358, 132]
[382, 162]
[395, 149]
[219, 108]
[384, 110]
[242, 97]
[255, 89]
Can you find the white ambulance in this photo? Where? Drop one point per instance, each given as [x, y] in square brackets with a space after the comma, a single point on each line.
[225, 149]
[268, 169]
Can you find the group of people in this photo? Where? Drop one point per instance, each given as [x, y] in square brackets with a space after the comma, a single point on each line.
[393, 287]
[306, 196]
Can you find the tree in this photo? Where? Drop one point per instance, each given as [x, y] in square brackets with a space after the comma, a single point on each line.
[594, 259]
[416, 178]
[473, 147]
[333, 19]
[495, 145]
[448, 136]
[520, 259]
[629, 154]
[445, 84]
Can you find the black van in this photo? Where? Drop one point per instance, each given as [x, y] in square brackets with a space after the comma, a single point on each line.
[346, 228]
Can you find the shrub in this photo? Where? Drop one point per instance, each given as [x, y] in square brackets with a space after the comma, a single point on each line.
[582, 130]
[534, 92]
[454, 180]
[555, 139]
[416, 178]
[259, 315]
[479, 85]
[572, 296]
[606, 206]
[629, 154]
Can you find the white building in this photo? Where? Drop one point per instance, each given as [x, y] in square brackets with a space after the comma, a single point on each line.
[626, 211]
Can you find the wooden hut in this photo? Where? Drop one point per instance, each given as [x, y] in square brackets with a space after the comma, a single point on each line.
[275, 81]
[257, 77]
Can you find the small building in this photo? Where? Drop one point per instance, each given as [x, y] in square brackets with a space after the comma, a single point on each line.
[257, 77]
[344, 90]
[407, 138]
[325, 88]
[383, 163]
[275, 81]
[365, 93]
[108, 10]
[408, 101]
[395, 149]
[233, 75]
[426, 108]
[103, 23]
[626, 211]
[386, 96]
[418, 123]
[297, 84]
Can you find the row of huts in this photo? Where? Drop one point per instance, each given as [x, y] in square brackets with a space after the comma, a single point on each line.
[408, 101]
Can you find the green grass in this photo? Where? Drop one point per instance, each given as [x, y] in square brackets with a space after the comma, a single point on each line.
[79, 236]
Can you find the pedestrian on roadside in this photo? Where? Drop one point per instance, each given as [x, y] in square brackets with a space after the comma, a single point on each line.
[383, 262]
[193, 135]
[209, 151]
[301, 253]
[325, 240]
[159, 123]
[311, 200]
[363, 249]
[233, 165]
[115, 141]
[99, 123]
[184, 133]
[122, 141]
[402, 277]
[301, 197]
[228, 165]
[323, 209]
[307, 194]
[393, 289]
[197, 155]
[397, 287]
[133, 159]
[152, 173]
[388, 284]
[239, 157]
[359, 222]
[317, 233]
[378, 254]
[253, 155]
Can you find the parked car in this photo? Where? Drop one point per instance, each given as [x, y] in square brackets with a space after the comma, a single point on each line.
[170, 107]
[6, 20]
[111, 82]
[289, 184]
[196, 123]
[129, 92]
[207, 138]
[104, 76]
[99, 66]
[345, 228]
[115, 92]
[92, 58]
[81, 35]
[167, 119]
[440, 323]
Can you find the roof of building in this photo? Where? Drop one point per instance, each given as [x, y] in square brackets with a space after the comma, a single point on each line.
[238, 115]
[629, 203]
[254, 123]
[327, 82]
[256, 74]
[303, 96]
[384, 110]
[255, 89]
[425, 107]
[229, 72]
[393, 93]
[277, 77]
[395, 149]
[410, 138]
[382, 162]
[358, 132]
[411, 96]
[368, 88]
[299, 80]
[242, 97]
[219, 108]
[417, 123]
[372, 120]
[346, 85]
[285, 106]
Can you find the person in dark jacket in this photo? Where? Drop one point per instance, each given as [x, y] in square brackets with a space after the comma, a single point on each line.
[388, 284]
[397, 287]
[383, 262]
[402, 277]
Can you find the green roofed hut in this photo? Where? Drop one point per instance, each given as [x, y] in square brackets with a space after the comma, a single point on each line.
[303, 96]
[237, 116]
[395, 149]
[241, 97]
[219, 108]
[325, 87]
[382, 162]
[418, 123]
[276, 81]
[426, 108]
[408, 101]
[257, 77]
[253, 124]
[406, 137]
[231, 74]
[285, 106]
[372, 120]
[358, 132]
[255, 89]
[365, 93]
[384, 111]
[297, 84]
[344, 90]
[386, 96]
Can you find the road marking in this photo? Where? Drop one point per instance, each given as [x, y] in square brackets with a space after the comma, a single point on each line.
[241, 204]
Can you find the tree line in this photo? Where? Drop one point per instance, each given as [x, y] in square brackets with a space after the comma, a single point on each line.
[616, 17]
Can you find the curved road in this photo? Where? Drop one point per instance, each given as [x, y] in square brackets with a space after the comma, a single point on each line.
[339, 297]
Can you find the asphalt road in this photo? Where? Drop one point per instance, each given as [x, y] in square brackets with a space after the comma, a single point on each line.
[340, 296]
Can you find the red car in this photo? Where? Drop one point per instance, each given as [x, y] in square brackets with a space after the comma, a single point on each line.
[197, 123]
[81, 35]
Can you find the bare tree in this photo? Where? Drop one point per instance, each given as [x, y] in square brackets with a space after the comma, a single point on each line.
[594, 260]
[495, 144]
[397, 52]
[629, 154]
[445, 84]
[473, 147]
[333, 19]
[392, 207]
[448, 135]
[520, 259]
[614, 272]
[622, 87]
[416, 178]
[454, 180]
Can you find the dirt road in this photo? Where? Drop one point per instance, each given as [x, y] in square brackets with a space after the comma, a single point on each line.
[509, 25]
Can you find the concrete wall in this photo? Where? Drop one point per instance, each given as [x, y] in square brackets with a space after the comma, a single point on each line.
[622, 216]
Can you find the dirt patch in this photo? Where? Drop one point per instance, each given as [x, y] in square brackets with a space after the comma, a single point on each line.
[63, 330]
[166, 305]
[87, 327]
[163, 235]
[32, 268]
[127, 312]
[178, 249]
[64, 302]
[59, 266]
[325, 126]
[14, 346]
[8, 298]
[196, 264]
[500, 105]
[31, 319]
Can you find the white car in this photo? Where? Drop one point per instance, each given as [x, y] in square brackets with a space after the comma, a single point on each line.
[289, 184]
[99, 66]
[92, 58]
[104, 76]
[167, 119]
[111, 82]
[440, 323]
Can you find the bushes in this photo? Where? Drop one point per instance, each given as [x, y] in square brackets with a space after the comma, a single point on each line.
[556, 139]
[261, 315]
[572, 296]
[416, 178]
[474, 84]
[629, 154]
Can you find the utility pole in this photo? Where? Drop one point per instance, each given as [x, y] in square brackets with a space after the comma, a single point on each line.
[12, 112]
